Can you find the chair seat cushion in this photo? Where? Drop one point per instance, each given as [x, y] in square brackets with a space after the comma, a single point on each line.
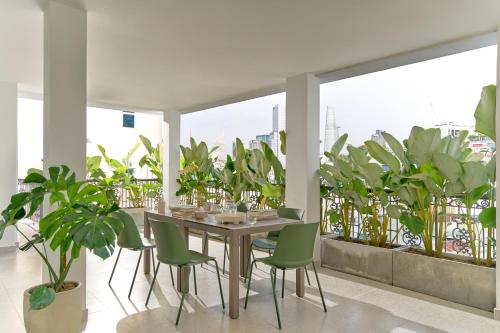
[264, 243]
[197, 257]
[285, 264]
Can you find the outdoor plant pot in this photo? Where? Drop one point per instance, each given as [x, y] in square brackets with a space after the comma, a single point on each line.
[64, 315]
[452, 278]
[367, 261]
[137, 215]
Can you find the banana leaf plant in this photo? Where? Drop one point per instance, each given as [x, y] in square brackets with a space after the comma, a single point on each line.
[485, 116]
[123, 176]
[338, 176]
[153, 159]
[81, 216]
[196, 172]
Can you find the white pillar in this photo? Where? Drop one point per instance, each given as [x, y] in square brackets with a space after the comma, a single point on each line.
[65, 99]
[302, 153]
[497, 125]
[171, 165]
[8, 151]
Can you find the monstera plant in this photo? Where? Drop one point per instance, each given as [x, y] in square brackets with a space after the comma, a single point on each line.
[81, 216]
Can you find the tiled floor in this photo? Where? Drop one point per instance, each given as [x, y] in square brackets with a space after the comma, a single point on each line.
[354, 304]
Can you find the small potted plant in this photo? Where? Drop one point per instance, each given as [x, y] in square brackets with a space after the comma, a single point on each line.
[82, 216]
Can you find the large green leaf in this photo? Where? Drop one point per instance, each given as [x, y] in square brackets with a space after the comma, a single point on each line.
[396, 146]
[486, 111]
[338, 145]
[448, 167]
[487, 217]
[41, 297]
[357, 155]
[474, 175]
[422, 144]
[414, 224]
[380, 154]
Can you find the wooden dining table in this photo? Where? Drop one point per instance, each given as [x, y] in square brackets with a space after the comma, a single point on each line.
[239, 240]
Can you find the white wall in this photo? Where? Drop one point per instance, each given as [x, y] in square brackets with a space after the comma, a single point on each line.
[8, 151]
[104, 126]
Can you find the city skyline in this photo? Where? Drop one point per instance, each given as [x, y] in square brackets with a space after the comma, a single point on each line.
[421, 94]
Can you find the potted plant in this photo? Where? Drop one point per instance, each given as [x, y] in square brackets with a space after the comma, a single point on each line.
[82, 216]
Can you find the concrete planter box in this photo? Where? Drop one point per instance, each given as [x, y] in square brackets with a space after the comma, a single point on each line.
[451, 280]
[370, 262]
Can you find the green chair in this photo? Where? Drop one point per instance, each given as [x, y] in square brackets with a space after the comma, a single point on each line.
[269, 242]
[294, 249]
[172, 250]
[241, 208]
[130, 239]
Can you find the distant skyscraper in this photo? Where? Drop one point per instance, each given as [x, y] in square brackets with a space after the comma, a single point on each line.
[378, 138]
[331, 129]
[279, 124]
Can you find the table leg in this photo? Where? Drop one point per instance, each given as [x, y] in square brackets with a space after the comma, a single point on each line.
[234, 279]
[147, 253]
[204, 246]
[183, 272]
[299, 284]
[244, 250]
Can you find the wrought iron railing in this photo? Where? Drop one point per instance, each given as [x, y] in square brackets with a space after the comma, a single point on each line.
[123, 196]
[456, 238]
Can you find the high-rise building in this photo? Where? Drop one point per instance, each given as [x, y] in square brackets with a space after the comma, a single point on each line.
[331, 129]
[378, 138]
[478, 142]
[279, 124]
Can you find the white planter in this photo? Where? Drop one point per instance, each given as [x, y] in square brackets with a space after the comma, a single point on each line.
[452, 280]
[64, 315]
[137, 215]
[367, 261]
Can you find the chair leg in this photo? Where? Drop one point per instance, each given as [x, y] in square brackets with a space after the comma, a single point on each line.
[135, 274]
[225, 256]
[249, 281]
[249, 262]
[114, 267]
[253, 256]
[273, 282]
[220, 284]
[172, 276]
[152, 283]
[194, 277]
[283, 285]
[180, 309]
[319, 286]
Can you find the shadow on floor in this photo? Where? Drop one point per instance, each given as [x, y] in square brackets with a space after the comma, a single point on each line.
[298, 315]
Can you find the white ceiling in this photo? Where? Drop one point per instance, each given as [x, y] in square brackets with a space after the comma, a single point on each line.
[182, 54]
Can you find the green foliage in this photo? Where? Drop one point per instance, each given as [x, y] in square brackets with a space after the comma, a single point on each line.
[420, 174]
[80, 217]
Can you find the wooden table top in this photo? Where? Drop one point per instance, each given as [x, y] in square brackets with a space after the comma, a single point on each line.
[210, 225]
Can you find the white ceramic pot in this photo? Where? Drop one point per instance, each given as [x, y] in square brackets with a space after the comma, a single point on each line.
[137, 215]
[64, 315]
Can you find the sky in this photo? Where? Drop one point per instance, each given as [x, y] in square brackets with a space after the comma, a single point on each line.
[441, 90]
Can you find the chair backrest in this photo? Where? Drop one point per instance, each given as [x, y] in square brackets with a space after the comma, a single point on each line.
[171, 247]
[287, 213]
[129, 237]
[291, 213]
[295, 245]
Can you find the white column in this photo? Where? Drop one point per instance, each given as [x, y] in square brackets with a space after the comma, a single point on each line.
[8, 151]
[65, 99]
[497, 125]
[171, 165]
[302, 153]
